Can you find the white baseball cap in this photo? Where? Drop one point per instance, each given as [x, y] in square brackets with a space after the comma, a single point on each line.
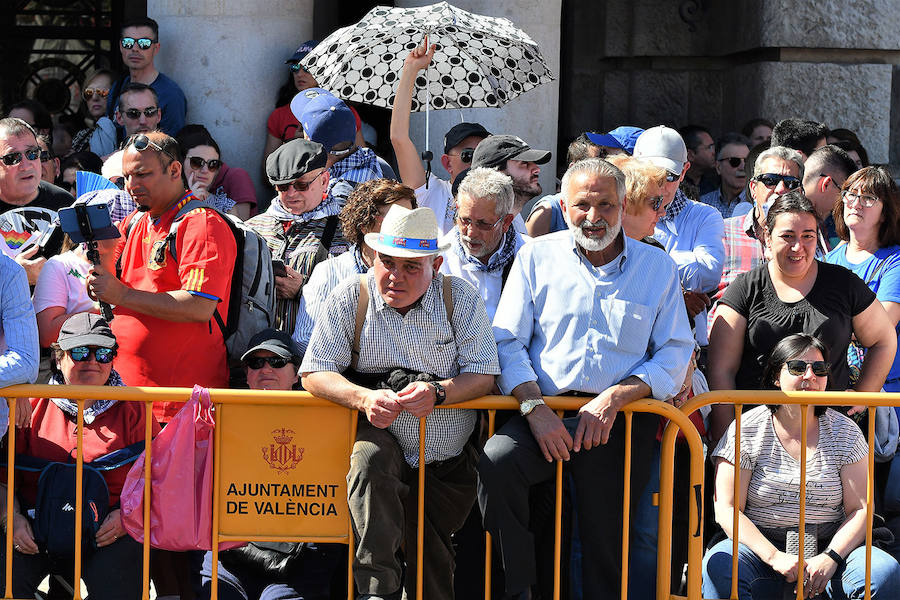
[663, 147]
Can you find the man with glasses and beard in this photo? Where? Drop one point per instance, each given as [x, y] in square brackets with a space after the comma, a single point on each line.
[483, 244]
[731, 197]
[139, 45]
[459, 145]
[591, 312]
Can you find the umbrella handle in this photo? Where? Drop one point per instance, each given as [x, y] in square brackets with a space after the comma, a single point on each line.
[427, 156]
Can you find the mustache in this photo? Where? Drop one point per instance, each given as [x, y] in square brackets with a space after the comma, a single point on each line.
[600, 223]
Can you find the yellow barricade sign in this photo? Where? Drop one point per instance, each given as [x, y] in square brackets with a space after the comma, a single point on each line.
[286, 473]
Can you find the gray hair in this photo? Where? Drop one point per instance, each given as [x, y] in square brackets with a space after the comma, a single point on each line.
[484, 183]
[784, 153]
[597, 167]
[13, 127]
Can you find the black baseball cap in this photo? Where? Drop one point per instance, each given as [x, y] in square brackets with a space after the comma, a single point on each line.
[496, 149]
[276, 342]
[461, 131]
[293, 160]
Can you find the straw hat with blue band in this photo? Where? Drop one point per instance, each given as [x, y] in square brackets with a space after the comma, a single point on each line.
[407, 233]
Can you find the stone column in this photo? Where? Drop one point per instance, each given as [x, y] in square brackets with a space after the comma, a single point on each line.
[228, 57]
[532, 116]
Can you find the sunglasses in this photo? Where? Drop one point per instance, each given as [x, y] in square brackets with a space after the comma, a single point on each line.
[143, 43]
[88, 93]
[465, 155]
[867, 200]
[14, 158]
[300, 186]
[257, 362]
[655, 202]
[479, 225]
[134, 113]
[46, 156]
[197, 163]
[101, 355]
[770, 180]
[141, 142]
[297, 67]
[734, 161]
[670, 176]
[820, 368]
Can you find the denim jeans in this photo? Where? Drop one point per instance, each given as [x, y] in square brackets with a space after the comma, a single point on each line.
[758, 580]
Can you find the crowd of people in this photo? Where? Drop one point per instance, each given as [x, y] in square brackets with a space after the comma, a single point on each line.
[666, 264]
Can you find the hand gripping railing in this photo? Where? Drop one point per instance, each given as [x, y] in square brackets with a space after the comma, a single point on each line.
[678, 420]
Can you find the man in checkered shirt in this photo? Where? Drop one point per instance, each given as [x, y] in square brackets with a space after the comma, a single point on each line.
[409, 324]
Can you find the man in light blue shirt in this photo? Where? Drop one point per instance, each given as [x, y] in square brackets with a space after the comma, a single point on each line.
[691, 232]
[19, 352]
[591, 312]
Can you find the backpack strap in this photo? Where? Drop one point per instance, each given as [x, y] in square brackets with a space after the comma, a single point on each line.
[448, 298]
[130, 223]
[328, 235]
[107, 462]
[362, 306]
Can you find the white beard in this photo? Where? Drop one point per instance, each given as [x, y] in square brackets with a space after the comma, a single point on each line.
[592, 244]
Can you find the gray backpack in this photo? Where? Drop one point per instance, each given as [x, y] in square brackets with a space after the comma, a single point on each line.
[251, 305]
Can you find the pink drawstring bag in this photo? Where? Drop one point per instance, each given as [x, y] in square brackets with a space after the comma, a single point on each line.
[181, 482]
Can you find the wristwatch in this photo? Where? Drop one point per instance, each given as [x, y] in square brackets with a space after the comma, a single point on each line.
[528, 406]
[440, 394]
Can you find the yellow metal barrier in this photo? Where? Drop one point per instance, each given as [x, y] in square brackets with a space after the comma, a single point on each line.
[805, 400]
[678, 420]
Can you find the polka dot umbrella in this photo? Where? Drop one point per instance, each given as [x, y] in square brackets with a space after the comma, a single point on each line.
[479, 62]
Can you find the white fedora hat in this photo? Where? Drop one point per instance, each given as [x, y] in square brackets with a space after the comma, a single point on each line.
[407, 233]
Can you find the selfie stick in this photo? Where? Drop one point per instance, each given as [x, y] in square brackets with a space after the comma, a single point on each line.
[84, 224]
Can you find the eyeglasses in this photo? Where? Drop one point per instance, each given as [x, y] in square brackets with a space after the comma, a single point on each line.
[465, 155]
[197, 163]
[297, 67]
[88, 93]
[300, 186]
[655, 202]
[134, 113]
[46, 156]
[257, 362]
[141, 142]
[101, 355]
[734, 161]
[670, 176]
[14, 158]
[820, 368]
[770, 180]
[867, 200]
[479, 225]
[143, 43]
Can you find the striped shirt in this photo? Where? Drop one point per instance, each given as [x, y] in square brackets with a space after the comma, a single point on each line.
[773, 497]
[298, 244]
[421, 340]
[324, 279]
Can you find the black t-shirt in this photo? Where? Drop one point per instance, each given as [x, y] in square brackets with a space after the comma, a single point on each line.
[49, 196]
[826, 312]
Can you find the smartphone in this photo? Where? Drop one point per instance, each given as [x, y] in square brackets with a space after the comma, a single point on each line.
[278, 268]
[92, 221]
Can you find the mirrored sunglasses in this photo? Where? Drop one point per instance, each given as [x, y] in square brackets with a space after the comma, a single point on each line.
[465, 155]
[101, 355]
[14, 158]
[143, 43]
[88, 93]
[297, 67]
[134, 113]
[820, 368]
[770, 180]
[257, 362]
[197, 163]
[670, 176]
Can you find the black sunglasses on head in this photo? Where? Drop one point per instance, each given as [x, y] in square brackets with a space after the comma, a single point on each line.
[141, 142]
[14, 158]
